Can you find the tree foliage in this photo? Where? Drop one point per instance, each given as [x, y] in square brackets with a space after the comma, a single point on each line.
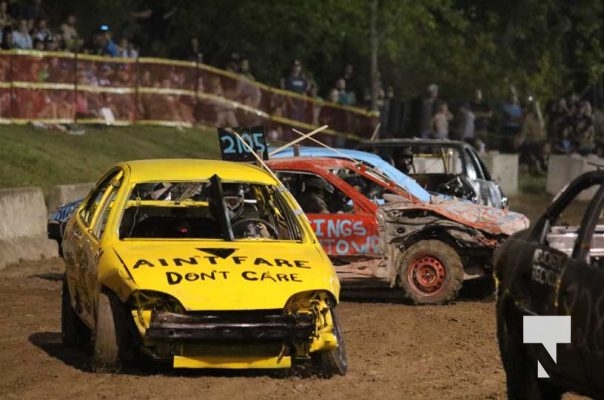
[543, 47]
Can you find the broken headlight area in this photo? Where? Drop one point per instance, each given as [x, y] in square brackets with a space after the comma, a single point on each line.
[167, 330]
[319, 305]
[143, 304]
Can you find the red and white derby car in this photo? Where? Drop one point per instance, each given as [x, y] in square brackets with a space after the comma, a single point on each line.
[376, 232]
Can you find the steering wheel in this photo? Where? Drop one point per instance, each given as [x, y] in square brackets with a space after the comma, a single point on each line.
[458, 187]
[238, 226]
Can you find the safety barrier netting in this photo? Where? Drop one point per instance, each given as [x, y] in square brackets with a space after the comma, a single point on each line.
[58, 87]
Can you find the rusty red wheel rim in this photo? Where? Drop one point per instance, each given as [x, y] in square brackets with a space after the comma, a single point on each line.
[427, 274]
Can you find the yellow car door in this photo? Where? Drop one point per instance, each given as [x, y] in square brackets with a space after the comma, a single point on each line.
[89, 226]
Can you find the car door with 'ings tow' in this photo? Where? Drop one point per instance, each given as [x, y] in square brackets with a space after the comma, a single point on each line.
[347, 226]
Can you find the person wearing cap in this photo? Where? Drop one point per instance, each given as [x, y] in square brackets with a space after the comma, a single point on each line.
[314, 197]
[108, 46]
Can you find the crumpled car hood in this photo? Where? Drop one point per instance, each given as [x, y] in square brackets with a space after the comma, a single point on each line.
[488, 219]
[239, 275]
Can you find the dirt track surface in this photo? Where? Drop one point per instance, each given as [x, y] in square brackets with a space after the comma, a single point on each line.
[395, 351]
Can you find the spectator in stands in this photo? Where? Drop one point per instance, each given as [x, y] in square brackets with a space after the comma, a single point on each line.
[126, 49]
[512, 121]
[564, 144]
[295, 82]
[352, 84]
[244, 69]
[333, 95]
[440, 122]
[428, 109]
[233, 64]
[529, 141]
[5, 17]
[558, 119]
[583, 128]
[482, 113]
[7, 38]
[40, 30]
[108, 46]
[21, 37]
[345, 97]
[465, 125]
[193, 51]
[70, 34]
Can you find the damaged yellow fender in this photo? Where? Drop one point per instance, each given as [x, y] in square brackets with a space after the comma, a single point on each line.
[202, 264]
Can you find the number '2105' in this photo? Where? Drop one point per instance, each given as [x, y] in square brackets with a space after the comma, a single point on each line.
[234, 146]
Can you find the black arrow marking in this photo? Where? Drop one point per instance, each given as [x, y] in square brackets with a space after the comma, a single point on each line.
[220, 252]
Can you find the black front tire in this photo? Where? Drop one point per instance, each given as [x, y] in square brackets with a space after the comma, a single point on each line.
[333, 362]
[73, 330]
[112, 339]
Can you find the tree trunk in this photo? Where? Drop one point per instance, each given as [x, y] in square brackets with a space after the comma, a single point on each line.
[373, 44]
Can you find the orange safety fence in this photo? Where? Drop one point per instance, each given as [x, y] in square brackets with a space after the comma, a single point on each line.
[77, 88]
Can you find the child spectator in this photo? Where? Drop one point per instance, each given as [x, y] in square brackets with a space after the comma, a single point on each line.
[564, 144]
[345, 97]
[126, 49]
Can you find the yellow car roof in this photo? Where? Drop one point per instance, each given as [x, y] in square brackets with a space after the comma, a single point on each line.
[194, 169]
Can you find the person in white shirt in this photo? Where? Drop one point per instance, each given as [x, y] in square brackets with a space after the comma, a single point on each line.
[21, 37]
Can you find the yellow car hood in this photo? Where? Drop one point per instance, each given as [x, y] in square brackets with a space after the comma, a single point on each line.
[240, 275]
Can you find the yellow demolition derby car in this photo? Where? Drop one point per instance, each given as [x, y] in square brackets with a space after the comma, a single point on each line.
[200, 263]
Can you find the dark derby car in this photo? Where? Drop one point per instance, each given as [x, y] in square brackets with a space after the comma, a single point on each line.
[442, 166]
[556, 268]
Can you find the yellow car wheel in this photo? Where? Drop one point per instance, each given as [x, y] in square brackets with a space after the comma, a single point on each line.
[111, 337]
[333, 362]
[73, 330]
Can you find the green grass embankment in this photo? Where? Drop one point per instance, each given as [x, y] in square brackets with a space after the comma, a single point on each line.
[44, 158]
